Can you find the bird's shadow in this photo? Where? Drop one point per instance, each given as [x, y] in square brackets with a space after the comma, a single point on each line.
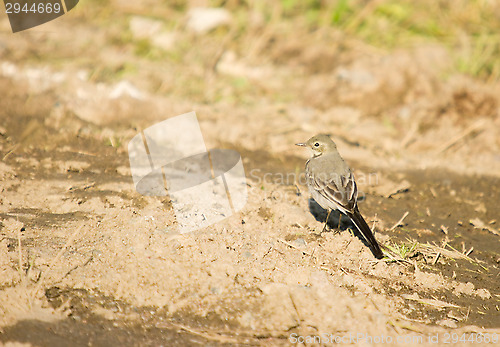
[320, 214]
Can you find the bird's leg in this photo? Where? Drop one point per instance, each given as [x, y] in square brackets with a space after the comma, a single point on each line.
[340, 220]
[326, 222]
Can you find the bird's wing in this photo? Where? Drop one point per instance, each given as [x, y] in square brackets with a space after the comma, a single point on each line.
[343, 193]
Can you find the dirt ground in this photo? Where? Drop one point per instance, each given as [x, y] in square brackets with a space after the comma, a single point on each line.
[86, 260]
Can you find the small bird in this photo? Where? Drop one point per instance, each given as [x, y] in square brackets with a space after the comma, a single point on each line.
[331, 183]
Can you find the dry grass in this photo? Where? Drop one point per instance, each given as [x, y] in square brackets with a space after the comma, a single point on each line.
[468, 28]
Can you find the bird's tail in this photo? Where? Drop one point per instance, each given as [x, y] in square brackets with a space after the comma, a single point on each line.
[360, 223]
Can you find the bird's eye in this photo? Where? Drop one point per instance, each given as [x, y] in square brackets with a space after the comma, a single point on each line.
[316, 144]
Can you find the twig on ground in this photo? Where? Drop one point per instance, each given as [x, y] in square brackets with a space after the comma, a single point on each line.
[410, 135]
[476, 126]
[469, 251]
[43, 276]
[452, 254]
[294, 247]
[299, 318]
[400, 221]
[437, 258]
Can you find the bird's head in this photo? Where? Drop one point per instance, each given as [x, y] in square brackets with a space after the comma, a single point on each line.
[319, 144]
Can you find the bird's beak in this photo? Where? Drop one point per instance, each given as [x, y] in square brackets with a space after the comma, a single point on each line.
[300, 144]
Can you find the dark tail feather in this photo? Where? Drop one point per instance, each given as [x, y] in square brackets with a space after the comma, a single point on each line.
[360, 223]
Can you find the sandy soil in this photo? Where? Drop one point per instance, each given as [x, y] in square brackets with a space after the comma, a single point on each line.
[85, 258]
